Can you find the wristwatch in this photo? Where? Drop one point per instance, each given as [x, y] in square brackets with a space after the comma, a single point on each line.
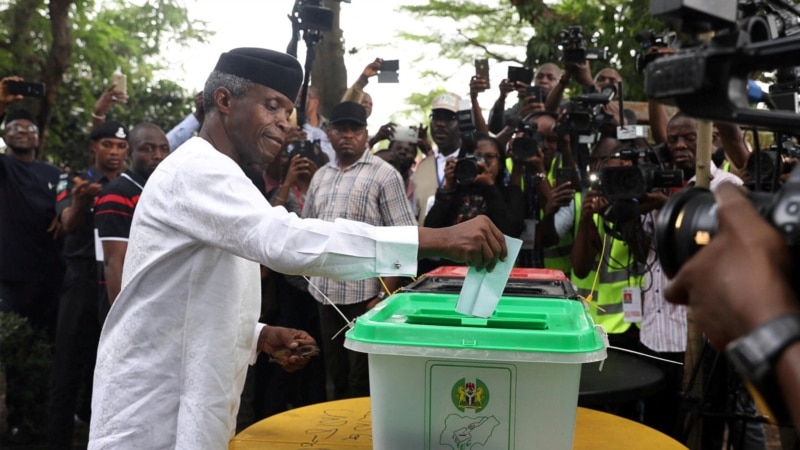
[381, 295]
[538, 177]
[754, 356]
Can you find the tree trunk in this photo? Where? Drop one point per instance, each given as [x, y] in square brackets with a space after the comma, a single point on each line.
[328, 73]
[56, 64]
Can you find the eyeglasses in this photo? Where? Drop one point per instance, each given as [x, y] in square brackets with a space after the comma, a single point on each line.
[16, 128]
[487, 156]
[304, 351]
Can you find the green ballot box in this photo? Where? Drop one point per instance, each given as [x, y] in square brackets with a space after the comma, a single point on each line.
[443, 380]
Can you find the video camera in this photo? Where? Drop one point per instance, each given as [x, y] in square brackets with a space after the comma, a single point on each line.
[708, 79]
[771, 163]
[646, 173]
[585, 112]
[571, 44]
[650, 39]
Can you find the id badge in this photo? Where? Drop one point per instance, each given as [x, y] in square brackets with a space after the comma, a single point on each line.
[632, 304]
[528, 235]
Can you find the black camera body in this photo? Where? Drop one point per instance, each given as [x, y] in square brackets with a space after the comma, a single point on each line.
[650, 39]
[771, 163]
[467, 169]
[688, 221]
[632, 182]
[529, 143]
[571, 43]
[585, 112]
[467, 129]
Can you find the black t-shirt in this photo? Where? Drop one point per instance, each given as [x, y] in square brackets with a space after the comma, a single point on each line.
[80, 243]
[113, 216]
[27, 208]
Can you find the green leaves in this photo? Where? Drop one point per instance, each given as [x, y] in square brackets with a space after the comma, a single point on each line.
[104, 35]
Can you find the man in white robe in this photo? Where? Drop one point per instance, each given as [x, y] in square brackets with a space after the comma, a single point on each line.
[176, 343]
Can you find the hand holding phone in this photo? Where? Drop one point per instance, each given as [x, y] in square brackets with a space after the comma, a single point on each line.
[26, 88]
[535, 92]
[482, 69]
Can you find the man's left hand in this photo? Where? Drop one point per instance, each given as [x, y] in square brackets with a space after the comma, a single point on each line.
[273, 339]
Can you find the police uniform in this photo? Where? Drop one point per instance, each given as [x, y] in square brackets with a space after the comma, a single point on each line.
[78, 327]
[113, 215]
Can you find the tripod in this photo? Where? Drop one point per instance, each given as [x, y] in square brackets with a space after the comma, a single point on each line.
[723, 402]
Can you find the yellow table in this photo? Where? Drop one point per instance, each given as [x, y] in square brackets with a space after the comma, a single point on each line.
[347, 425]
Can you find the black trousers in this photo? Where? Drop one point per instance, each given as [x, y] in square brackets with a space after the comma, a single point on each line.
[77, 335]
[348, 370]
[37, 301]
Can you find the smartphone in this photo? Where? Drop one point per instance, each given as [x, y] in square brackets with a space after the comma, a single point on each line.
[310, 150]
[26, 88]
[390, 65]
[535, 91]
[405, 134]
[482, 68]
[564, 175]
[120, 82]
[519, 73]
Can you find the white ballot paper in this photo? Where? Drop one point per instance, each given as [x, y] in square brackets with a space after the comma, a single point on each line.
[482, 290]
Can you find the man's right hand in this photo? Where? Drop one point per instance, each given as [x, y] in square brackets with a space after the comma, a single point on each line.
[84, 192]
[372, 69]
[740, 280]
[593, 203]
[580, 73]
[5, 97]
[560, 196]
[476, 242]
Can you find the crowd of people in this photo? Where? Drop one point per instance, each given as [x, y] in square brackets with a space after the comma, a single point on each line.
[154, 270]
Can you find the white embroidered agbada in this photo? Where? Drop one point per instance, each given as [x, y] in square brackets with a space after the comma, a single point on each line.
[175, 346]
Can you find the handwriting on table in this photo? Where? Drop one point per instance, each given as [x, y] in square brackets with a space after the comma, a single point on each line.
[338, 425]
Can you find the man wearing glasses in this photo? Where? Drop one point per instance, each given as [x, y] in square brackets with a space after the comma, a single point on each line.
[30, 267]
[429, 175]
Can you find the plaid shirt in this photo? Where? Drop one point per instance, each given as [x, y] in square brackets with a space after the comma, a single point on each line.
[369, 190]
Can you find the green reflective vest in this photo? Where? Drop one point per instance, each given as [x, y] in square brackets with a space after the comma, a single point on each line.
[618, 270]
[559, 256]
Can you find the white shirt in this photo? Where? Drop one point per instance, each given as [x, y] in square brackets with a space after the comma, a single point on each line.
[174, 349]
[664, 323]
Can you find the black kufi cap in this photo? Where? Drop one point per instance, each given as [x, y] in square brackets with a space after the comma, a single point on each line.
[20, 114]
[275, 70]
[109, 129]
[348, 112]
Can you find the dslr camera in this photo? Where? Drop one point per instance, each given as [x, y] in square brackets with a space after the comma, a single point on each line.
[571, 44]
[467, 167]
[529, 143]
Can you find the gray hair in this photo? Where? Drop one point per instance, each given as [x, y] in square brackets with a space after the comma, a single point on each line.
[236, 84]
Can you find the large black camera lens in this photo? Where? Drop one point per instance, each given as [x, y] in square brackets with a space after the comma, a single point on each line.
[688, 221]
[684, 225]
[466, 170]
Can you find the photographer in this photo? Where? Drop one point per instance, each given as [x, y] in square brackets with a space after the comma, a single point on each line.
[459, 199]
[729, 307]
[546, 77]
[620, 266]
[663, 325]
[535, 157]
